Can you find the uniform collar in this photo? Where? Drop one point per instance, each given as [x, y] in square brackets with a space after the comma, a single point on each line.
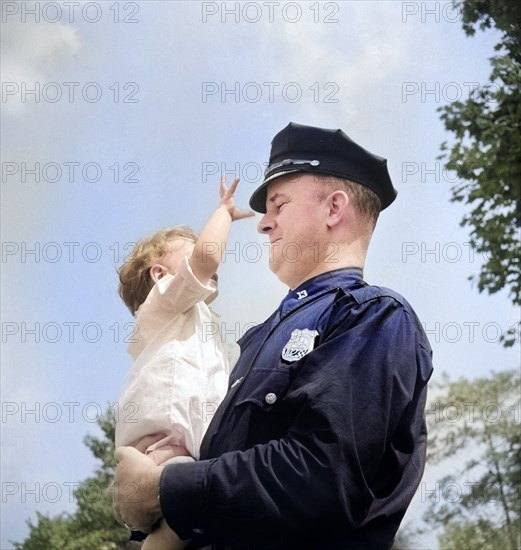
[312, 288]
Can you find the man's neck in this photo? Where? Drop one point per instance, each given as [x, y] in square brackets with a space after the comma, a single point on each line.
[352, 260]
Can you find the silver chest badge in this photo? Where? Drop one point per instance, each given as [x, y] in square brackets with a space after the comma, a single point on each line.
[301, 342]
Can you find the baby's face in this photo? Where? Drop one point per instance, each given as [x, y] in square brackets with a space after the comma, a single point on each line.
[178, 249]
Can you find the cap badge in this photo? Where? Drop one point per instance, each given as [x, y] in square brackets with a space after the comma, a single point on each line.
[287, 162]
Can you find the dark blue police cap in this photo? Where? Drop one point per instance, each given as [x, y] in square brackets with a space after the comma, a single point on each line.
[299, 148]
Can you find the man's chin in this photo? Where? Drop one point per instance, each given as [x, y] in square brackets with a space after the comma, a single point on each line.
[276, 269]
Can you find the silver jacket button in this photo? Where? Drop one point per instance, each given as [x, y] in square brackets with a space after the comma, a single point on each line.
[270, 398]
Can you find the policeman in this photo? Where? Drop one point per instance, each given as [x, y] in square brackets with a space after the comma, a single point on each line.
[320, 442]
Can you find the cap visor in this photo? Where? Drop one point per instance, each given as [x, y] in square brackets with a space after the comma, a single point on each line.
[258, 198]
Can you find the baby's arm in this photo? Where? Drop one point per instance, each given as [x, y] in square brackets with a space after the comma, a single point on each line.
[163, 538]
[211, 243]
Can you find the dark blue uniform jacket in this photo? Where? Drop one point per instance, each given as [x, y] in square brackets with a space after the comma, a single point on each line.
[320, 442]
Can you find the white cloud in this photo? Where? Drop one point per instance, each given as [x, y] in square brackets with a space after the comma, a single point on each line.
[358, 53]
[32, 52]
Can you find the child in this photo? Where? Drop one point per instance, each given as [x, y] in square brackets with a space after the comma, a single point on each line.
[179, 375]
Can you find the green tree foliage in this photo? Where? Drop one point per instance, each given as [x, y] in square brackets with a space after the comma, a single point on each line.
[486, 151]
[479, 507]
[92, 526]
[406, 538]
[477, 422]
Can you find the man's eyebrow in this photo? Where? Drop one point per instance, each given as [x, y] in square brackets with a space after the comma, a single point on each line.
[276, 196]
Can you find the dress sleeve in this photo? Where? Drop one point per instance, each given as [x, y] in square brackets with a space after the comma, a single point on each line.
[177, 294]
[355, 450]
[170, 296]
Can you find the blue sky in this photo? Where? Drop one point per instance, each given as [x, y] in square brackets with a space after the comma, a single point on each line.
[127, 129]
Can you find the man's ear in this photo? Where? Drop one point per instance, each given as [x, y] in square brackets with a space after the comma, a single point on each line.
[336, 203]
[157, 271]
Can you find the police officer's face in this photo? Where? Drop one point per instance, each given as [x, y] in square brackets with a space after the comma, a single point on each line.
[295, 222]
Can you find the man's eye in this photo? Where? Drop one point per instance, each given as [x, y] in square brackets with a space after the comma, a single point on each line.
[279, 206]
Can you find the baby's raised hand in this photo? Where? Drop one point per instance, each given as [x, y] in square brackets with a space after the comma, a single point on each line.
[228, 200]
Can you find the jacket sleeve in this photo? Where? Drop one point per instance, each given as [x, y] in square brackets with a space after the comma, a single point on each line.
[354, 450]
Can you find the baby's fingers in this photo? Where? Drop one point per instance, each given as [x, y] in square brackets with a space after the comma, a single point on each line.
[224, 191]
[222, 187]
[233, 186]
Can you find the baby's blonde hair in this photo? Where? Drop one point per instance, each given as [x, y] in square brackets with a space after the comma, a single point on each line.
[135, 281]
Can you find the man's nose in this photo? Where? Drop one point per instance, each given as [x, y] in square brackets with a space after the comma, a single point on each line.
[266, 224]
